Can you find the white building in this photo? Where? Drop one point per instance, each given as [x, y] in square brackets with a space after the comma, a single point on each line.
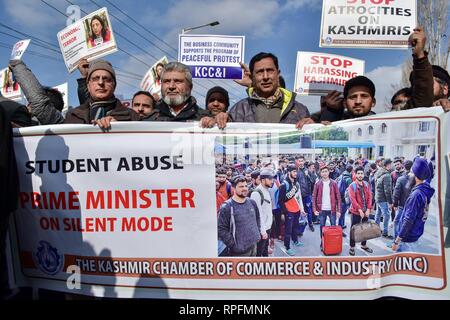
[392, 139]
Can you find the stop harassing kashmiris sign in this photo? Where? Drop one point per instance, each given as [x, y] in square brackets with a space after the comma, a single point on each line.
[367, 23]
[91, 37]
[320, 73]
[140, 216]
[212, 56]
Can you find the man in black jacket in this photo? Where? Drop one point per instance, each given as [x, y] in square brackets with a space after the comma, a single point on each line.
[177, 104]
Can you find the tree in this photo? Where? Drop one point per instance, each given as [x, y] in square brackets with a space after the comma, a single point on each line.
[433, 16]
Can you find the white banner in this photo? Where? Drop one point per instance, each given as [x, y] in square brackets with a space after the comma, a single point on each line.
[19, 49]
[138, 217]
[320, 73]
[212, 56]
[10, 87]
[367, 24]
[91, 37]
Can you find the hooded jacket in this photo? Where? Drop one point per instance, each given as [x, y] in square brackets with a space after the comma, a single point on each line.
[415, 212]
[291, 110]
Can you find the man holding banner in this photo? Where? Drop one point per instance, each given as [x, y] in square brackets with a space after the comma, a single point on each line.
[267, 102]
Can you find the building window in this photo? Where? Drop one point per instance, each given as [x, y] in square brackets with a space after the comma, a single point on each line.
[384, 128]
[381, 151]
[399, 151]
[422, 150]
[370, 130]
[359, 132]
[424, 126]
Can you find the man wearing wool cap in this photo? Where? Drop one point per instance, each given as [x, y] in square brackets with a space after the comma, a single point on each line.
[101, 83]
[415, 212]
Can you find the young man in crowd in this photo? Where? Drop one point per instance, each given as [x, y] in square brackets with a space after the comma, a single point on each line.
[255, 180]
[360, 206]
[239, 222]
[344, 182]
[398, 172]
[261, 195]
[415, 211]
[402, 191]
[225, 187]
[306, 189]
[326, 200]
[290, 199]
[383, 195]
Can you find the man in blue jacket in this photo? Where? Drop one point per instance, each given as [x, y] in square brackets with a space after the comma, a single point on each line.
[415, 212]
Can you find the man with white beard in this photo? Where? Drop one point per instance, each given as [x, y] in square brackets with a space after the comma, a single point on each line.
[177, 104]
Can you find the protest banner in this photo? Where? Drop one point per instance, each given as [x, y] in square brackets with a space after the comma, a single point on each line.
[320, 73]
[64, 90]
[142, 222]
[91, 37]
[152, 79]
[10, 87]
[212, 56]
[367, 23]
[19, 49]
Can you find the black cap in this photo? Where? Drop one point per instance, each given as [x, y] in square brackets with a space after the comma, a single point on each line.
[442, 74]
[221, 91]
[359, 81]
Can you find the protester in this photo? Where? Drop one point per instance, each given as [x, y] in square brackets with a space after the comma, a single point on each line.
[415, 212]
[326, 200]
[217, 100]
[143, 104]
[267, 102]
[177, 103]
[383, 196]
[261, 195]
[102, 104]
[360, 206]
[45, 104]
[17, 114]
[400, 99]
[290, 199]
[239, 222]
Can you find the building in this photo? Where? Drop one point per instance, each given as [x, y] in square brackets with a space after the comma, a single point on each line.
[392, 139]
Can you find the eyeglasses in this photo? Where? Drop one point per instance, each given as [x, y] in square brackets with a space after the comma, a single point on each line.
[97, 79]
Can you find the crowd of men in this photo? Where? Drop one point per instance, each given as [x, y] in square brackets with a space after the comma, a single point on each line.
[267, 101]
[266, 202]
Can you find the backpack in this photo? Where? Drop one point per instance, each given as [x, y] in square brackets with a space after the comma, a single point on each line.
[342, 185]
[229, 189]
[347, 194]
[261, 195]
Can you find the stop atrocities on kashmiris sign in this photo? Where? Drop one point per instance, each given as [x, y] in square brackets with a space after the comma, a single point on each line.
[319, 73]
[367, 23]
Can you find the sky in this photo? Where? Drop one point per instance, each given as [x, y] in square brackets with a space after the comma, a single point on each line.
[282, 27]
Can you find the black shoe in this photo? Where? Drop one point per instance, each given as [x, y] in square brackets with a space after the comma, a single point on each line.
[344, 227]
[311, 227]
[344, 235]
[385, 235]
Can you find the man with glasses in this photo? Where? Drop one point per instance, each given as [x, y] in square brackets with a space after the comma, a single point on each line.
[101, 83]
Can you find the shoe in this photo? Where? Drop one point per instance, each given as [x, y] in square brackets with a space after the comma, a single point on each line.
[344, 227]
[290, 252]
[270, 250]
[311, 227]
[351, 251]
[344, 235]
[321, 248]
[298, 244]
[271, 243]
[367, 249]
[385, 235]
[316, 222]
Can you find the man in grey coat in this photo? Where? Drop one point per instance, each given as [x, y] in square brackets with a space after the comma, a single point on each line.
[383, 195]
